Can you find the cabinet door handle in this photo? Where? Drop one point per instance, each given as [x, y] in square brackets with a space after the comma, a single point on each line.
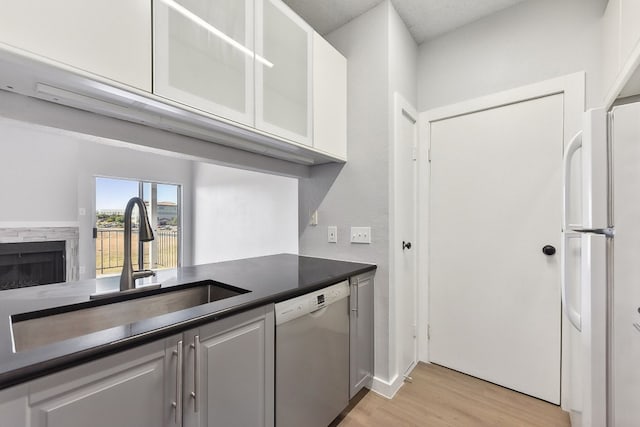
[196, 371]
[354, 307]
[177, 404]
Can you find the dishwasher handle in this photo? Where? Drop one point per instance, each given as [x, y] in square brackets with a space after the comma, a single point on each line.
[319, 312]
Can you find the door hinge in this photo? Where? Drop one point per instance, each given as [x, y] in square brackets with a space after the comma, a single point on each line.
[415, 334]
[428, 332]
[414, 153]
[429, 155]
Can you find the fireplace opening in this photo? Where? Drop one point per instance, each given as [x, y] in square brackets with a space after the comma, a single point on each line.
[31, 263]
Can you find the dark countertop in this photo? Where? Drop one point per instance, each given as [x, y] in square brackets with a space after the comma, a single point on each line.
[269, 279]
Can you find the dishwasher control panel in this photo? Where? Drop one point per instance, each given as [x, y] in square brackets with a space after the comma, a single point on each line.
[300, 306]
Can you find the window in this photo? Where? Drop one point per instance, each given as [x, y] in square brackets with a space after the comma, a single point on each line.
[163, 207]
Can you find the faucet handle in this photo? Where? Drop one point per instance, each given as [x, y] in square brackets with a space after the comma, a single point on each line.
[143, 273]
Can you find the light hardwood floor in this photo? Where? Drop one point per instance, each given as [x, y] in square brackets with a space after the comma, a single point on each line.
[441, 397]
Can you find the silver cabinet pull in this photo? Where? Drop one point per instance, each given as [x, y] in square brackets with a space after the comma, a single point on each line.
[196, 371]
[354, 306]
[177, 404]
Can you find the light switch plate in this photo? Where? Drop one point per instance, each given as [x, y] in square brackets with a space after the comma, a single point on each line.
[361, 235]
[314, 218]
[332, 234]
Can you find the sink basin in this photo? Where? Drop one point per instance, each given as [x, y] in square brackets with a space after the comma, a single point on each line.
[38, 328]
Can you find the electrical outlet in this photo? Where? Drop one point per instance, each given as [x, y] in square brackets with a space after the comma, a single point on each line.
[361, 235]
[332, 234]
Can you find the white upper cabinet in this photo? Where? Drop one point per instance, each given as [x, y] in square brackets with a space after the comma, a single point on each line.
[204, 55]
[283, 72]
[329, 99]
[243, 73]
[611, 43]
[621, 52]
[629, 27]
[109, 38]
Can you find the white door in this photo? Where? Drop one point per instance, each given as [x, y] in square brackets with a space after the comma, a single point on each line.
[496, 201]
[403, 246]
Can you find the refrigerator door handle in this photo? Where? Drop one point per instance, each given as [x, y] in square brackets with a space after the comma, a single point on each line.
[572, 314]
[574, 145]
[607, 231]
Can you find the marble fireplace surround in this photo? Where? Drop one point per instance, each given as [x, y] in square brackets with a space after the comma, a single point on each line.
[70, 235]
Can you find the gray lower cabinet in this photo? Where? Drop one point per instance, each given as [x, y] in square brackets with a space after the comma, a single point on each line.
[220, 374]
[231, 379]
[127, 389]
[14, 403]
[361, 333]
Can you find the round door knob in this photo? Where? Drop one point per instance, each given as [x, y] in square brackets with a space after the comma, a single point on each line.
[548, 250]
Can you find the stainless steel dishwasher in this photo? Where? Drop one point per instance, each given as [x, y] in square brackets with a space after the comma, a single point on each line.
[312, 357]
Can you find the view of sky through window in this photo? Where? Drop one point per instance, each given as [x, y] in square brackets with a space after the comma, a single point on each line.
[115, 193]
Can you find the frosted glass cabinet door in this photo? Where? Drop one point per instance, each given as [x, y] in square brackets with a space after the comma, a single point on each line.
[283, 78]
[204, 55]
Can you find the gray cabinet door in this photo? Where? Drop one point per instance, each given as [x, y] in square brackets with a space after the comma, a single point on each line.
[361, 333]
[126, 389]
[14, 403]
[229, 371]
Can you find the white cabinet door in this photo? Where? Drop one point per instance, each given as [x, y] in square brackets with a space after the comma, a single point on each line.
[127, 389]
[110, 38]
[229, 371]
[204, 55]
[611, 44]
[329, 99]
[283, 72]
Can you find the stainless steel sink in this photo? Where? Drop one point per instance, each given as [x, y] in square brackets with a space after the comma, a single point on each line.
[35, 329]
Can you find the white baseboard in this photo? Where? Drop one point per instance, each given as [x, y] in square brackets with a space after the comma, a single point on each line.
[387, 389]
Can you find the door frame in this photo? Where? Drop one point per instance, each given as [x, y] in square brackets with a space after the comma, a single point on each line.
[403, 109]
[572, 86]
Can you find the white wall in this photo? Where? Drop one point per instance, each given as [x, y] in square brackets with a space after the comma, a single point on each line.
[239, 214]
[49, 174]
[357, 193]
[38, 176]
[532, 41]
[403, 60]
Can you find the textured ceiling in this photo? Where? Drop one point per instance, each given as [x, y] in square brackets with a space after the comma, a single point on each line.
[426, 19]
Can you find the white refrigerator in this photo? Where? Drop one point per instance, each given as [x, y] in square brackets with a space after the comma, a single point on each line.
[601, 277]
